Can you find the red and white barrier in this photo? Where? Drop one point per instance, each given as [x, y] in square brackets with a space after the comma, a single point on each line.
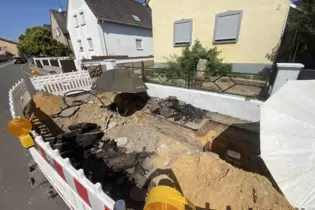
[71, 184]
[91, 195]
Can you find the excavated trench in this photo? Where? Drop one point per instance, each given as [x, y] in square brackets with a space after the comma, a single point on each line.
[124, 175]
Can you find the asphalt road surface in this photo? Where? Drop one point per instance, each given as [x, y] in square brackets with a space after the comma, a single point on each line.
[16, 192]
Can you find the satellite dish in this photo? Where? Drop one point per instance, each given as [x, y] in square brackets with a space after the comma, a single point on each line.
[287, 138]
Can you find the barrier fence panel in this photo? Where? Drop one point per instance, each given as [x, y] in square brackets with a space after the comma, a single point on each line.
[18, 98]
[59, 84]
[76, 190]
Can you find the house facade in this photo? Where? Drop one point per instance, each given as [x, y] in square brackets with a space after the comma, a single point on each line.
[8, 46]
[58, 22]
[245, 31]
[109, 28]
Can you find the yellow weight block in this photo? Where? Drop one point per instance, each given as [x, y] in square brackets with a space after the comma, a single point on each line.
[26, 141]
[167, 198]
[35, 73]
[21, 127]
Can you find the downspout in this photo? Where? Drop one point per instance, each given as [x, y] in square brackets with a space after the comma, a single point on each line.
[102, 36]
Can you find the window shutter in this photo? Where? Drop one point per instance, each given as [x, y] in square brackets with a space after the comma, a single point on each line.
[82, 18]
[182, 32]
[138, 44]
[227, 26]
[90, 42]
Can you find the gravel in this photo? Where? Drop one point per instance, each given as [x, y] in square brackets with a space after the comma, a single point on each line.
[139, 137]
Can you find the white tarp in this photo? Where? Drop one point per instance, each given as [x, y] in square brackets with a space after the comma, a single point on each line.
[287, 137]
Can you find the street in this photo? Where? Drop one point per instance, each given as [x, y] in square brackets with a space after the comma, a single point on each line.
[16, 192]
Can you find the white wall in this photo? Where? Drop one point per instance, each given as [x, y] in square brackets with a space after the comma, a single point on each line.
[230, 105]
[90, 30]
[121, 40]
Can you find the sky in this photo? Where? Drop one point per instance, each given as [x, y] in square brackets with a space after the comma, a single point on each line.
[17, 15]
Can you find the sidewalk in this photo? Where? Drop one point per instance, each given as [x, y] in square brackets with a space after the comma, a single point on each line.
[41, 71]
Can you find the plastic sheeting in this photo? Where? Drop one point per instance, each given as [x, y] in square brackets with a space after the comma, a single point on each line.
[287, 137]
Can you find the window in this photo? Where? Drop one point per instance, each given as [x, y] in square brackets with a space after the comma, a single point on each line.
[139, 44]
[227, 27]
[76, 21]
[136, 18]
[57, 31]
[182, 32]
[5, 48]
[0, 48]
[90, 42]
[82, 18]
[80, 46]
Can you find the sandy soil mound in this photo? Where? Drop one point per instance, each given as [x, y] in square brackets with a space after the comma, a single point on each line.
[206, 179]
[47, 102]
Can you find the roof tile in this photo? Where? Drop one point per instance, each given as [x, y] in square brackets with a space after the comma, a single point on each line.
[121, 11]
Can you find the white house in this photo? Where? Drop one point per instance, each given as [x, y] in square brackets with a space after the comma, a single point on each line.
[109, 28]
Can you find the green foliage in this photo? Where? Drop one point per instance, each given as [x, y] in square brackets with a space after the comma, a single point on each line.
[297, 44]
[9, 54]
[186, 63]
[303, 18]
[37, 41]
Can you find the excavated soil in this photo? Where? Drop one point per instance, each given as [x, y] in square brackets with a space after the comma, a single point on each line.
[48, 103]
[204, 178]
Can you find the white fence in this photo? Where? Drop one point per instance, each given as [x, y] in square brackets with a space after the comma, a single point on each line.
[59, 84]
[18, 98]
[71, 184]
[49, 59]
[226, 104]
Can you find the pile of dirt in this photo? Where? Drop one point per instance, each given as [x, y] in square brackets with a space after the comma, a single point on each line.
[205, 178]
[222, 185]
[48, 103]
[171, 107]
[104, 161]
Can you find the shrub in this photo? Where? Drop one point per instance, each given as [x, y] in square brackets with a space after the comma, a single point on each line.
[186, 63]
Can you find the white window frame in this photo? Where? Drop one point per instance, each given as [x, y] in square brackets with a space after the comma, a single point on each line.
[81, 48]
[138, 39]
[76, 21]
[232, 40]
[182, 44]
[90, 43]
[82, 18]
[57, 30]
[5, 48]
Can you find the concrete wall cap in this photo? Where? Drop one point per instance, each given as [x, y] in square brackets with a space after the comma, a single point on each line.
[290, 66]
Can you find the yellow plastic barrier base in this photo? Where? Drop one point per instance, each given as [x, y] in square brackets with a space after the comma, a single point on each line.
[167, 198]
[26, 141]
[20, 127]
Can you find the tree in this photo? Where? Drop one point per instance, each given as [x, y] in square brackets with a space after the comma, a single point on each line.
[187, 62]
[37, 41]
[9, 54]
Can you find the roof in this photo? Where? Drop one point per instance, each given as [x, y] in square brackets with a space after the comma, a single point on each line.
[126, 12]
[6, 40]
[48, 26]
[61, 19]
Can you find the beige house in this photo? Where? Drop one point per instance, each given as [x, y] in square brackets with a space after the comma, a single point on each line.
[244, 30]
[58, 22]
[7, 45]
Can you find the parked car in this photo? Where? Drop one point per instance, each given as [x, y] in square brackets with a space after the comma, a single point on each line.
[20, 60]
